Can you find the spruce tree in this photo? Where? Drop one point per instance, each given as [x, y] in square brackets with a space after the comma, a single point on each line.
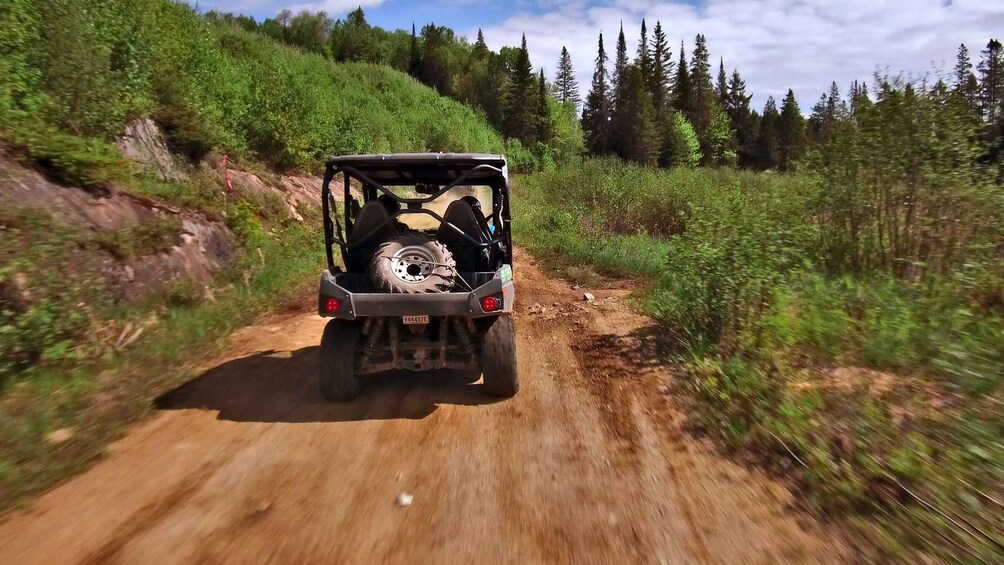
[620, 62]
[596, 114]
[682, 91]
[639, 137]
[480, 47]
[542, 117]
[768, 140]
[415, 57]
[791, 133]
[721, 86]
[703, 100]
[992, 82]
[620, 130]
[662, 69]
[743, 119]
[568, 87]
[644, 57]
[520, 112]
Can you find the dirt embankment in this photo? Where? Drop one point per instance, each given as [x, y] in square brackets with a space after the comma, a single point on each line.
[589, 463]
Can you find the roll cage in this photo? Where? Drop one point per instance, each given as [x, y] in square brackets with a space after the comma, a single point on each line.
[443, 170]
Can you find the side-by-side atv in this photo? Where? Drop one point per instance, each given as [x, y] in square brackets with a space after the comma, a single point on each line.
[427, 280]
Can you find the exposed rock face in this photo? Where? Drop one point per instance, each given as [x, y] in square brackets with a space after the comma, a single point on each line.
[205, 245]
[144, 143]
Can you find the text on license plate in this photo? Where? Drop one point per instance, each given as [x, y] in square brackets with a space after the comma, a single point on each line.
[416, 320]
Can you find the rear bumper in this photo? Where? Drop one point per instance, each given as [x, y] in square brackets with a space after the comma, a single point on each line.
[369, 304]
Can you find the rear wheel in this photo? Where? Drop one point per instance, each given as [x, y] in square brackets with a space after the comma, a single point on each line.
[498, 358]
[336, 361]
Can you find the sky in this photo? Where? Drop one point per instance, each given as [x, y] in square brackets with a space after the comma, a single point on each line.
[775, 44]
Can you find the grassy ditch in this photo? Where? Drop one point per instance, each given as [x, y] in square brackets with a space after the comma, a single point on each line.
[878, 394]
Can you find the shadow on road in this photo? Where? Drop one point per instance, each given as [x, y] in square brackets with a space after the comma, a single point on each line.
[281, 386]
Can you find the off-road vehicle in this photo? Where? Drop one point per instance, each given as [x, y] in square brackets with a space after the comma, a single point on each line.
[427, 280]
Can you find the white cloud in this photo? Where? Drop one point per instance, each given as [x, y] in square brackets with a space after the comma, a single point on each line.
[775, 44]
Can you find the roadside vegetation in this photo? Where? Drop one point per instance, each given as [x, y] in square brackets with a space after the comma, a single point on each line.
[77, 361]
[843, 324]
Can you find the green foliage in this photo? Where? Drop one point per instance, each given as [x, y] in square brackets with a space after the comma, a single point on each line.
[681, 148]
[783, 348]
[211, 84]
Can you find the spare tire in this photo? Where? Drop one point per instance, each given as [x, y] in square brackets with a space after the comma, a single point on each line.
[413, 263]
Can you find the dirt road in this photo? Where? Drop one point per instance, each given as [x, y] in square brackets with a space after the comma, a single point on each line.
[589, 463]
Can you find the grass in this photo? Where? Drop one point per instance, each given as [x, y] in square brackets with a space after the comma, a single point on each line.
[879, 396]
[146, 238]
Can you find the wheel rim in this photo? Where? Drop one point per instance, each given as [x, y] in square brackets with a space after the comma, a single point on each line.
[412, 264]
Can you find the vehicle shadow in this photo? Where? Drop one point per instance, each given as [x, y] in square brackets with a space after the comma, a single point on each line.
[281, 386]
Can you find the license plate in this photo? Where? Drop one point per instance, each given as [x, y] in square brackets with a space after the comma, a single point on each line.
[416, 320]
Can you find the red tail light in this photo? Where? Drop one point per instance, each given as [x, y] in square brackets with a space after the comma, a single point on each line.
[332, 305]
[490, 304]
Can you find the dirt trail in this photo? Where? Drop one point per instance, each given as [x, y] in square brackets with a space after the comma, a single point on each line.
[589, 463]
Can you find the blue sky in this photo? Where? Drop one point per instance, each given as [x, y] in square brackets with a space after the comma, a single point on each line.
[775, 44]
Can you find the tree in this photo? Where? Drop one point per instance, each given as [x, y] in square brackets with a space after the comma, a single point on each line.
[644, 57]
[596, 114]
[721, 140]
[721, 86]
[415, 55]
[991, 70]
[768, 140]
[743, 119]
[520, 113]
[568, 87]
[639, 141]
[437, 70]
[544, 129]
[480, 50]
[703, 100]
[620, 62]
[791, 133]
[662, 68]
[353, 40]
[682, 91]
[680, 146]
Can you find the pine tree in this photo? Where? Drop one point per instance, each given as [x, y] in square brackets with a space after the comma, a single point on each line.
[768, 140]
[743, 119]
[415, 57]
[480, 47]
[620, 125]
[791, 133]
[639, 137]
[542, 117]
[568, 87]
[596, 114]
[721, 86]
[662, 68]
[620, 62]
[644, 57]
[520, 113]
[682, 90]
[703, 100]
[992, 82]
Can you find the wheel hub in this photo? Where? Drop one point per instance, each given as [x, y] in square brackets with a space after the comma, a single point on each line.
[412, 264]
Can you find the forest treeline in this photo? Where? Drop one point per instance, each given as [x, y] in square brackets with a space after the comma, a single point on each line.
[656, 107]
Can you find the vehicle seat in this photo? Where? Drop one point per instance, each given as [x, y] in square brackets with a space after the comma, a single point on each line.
[372, 215]
[468, 256]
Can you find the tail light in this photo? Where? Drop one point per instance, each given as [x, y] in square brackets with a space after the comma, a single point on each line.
[332, 305]
[490, 304]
